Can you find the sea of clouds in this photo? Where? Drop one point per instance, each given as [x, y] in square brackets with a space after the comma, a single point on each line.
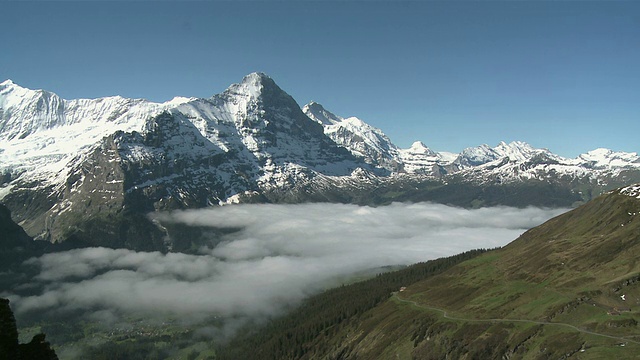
[281, 255]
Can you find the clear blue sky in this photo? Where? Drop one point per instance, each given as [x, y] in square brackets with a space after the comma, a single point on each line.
[559, 75]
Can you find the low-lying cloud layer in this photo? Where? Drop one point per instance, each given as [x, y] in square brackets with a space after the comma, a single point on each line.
[283, 254]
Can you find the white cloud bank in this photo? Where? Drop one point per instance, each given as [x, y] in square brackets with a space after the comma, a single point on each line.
[283, 254]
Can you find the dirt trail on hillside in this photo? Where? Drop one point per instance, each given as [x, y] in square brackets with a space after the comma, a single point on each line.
[446, 316]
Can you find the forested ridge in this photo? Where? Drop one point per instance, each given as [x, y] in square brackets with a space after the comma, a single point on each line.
[301, 332]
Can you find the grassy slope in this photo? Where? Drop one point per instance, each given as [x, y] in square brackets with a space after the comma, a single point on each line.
[570, 270]
[309, 330]
[582, 256]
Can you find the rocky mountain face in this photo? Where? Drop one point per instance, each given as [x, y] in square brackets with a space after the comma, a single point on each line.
[252, 141]
[91, 169]
[13, 236]
[360, 138]
[37, 348]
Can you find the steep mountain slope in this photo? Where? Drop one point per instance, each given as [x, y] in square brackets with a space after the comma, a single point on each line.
[360, 138]
[43, 135]
[13, 236]
[578, 269]
[567, 288]
[588, 250]
[510, 163]
[252, 140]
[91, 169]
[419, 159]
[515, 167]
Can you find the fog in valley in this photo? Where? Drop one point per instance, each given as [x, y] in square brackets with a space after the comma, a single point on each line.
[280, 255]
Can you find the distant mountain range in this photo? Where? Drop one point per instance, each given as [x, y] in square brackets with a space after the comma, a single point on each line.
[91, 169]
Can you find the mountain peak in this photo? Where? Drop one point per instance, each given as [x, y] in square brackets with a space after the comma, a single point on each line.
[312, 105]
[256, 77]
[418, 145]
[8, 86]
[607, 158]
[600, 152]
[481, 150]
[319, 114]
[25, 110]
[259, 79]
[254, 85]
[7, 83]
[514, 145]
[419, 148]
[515, 150]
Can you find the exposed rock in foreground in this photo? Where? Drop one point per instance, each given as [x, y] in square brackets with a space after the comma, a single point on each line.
[10, 349]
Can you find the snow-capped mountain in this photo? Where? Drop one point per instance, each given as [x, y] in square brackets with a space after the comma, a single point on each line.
[518, 161]
[419, 159]
[516, 151]
[91, 158]
[255, 121]
[93, 168]
[42, 133]
[370, 143]
[607, 159]
[360, 138]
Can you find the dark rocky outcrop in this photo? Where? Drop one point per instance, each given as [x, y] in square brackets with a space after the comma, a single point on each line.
[15, 245]
[10, 349]
[8, 332]
[12, 234]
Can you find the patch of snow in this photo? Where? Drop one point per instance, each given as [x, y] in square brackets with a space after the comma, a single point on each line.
[179, 100]
[447, 157]
[4, 191]
[633, 191]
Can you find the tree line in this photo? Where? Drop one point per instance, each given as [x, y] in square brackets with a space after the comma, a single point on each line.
[295, 335]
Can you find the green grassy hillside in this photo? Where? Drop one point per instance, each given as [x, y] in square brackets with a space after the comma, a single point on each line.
[569, 288]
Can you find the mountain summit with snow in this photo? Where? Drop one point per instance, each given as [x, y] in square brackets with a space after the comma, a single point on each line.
[87, 169]
[360, 138]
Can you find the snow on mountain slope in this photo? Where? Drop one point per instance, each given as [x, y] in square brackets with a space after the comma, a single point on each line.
[632, 190]
[360, 138]
[41, 133]
[516, 151]
[263, 130]
[448, 157]
[608, 159]
[116, 153]
[65, 162]
[267, 128]
[321, 115]
[518, 161]
[419, 159]
[375, 147]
